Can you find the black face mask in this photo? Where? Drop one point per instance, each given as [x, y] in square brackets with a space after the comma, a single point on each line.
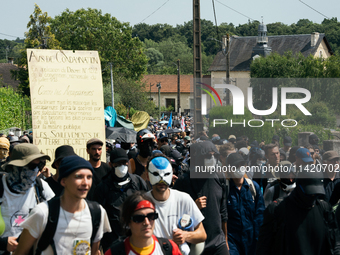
[125, 146]
[145, 149]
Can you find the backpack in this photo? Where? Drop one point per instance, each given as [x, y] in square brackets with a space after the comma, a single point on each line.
[118, 247]
[38, 189]
[52, 222]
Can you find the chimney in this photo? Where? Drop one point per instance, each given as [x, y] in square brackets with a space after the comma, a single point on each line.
[314, 39]
[10, 60]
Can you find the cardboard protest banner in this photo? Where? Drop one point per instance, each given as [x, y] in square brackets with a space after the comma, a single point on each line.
[66, 98]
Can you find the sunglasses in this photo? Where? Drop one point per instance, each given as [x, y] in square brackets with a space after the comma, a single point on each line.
[139, 218]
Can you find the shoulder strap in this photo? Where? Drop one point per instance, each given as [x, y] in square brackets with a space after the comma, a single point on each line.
[228, 187]
[51, 226]
[38, 186]
[276, 191]
[133, 165]
[1, 187]
[165, 245]
[96, 217]
[251, 187]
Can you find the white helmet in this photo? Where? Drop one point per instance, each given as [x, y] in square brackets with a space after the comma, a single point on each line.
[160, 170]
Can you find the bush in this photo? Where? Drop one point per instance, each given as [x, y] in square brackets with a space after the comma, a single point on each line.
[12, 108]
[264, 133]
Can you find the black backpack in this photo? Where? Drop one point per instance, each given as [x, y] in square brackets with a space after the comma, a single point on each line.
[52, 222]
[118, 247]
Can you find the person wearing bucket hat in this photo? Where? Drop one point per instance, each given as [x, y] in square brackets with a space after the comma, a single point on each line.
[303, 222]
[113, 190]
[74, 218]
[245, 206]
[60, 153]
[22, 191]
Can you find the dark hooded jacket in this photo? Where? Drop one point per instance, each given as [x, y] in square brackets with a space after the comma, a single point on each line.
[300, 224]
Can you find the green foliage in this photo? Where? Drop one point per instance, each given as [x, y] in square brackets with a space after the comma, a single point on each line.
[264, 133]
[39, 31]
[10, 49]
[297, 66]
[128, 93]
[91, 30]
[12, 108]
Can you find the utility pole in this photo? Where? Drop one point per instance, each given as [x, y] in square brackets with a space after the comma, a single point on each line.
[198, 119]
[150, 90]
[178, 89]
[227, 67]
[112, 89]
[159, 99]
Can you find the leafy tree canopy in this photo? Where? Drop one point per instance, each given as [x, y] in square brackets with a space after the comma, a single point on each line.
[92, 30]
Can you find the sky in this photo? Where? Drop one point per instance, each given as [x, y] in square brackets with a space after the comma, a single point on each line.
[14, 15]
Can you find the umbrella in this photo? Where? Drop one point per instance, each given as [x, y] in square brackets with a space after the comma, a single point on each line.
[121, 134]
[172, 130]
[164, 122]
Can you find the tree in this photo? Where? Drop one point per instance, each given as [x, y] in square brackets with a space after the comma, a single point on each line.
[39, 35]
[91, 30]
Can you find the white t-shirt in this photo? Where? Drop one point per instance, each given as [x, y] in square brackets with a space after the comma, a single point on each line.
[171, 210]
[15, 208]
[72, 236]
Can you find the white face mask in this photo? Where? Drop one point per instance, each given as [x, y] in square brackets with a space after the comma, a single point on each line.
[239, 173]
[210, 161]
[121, 170]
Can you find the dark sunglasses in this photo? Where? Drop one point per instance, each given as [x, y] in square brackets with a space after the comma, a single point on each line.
[40, 165]
[139, 218]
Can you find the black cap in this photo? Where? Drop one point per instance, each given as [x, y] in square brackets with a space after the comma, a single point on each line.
[276, 137]
[287, 141]
[235, 159]
[118, 154]
[311, 181]
[62, 152]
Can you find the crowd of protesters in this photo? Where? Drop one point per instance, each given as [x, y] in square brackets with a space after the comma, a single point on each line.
[170, 193]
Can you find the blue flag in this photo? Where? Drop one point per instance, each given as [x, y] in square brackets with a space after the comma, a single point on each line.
[170, 121]
[162, 118]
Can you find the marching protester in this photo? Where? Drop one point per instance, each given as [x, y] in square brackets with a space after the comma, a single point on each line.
[301, 223]
[138, 217]
[60, 153]
[172, 205]
[20, 191]
[112, 191]
[245, 207]
[77, 225]
[145, 143]
[94, 147]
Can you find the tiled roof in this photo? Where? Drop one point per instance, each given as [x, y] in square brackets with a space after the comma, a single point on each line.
[168, 83]
[7, 76]
[241, 49]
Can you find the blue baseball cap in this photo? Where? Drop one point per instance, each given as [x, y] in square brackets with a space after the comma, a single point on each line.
[305, 155]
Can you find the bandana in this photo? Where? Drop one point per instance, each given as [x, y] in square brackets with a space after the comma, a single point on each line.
[20, 179]
[144, 204]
